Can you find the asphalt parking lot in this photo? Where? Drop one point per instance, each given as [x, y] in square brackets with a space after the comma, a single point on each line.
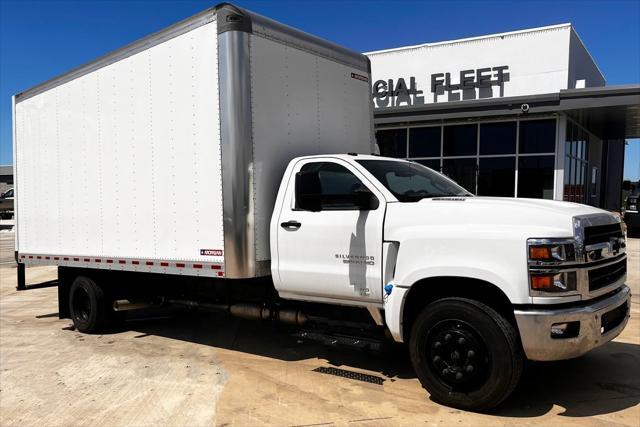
[209, 369]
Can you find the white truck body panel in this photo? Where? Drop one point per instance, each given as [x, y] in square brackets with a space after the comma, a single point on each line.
[125, 161]
[338, 120]
[165, 156]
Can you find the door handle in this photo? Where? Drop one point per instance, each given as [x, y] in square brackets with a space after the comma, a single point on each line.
[290, 225]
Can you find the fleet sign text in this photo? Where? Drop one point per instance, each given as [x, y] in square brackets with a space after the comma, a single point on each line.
[396, 93]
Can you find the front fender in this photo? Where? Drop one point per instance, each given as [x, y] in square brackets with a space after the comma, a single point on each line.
[497, 256]
[468, 272]
[394, 303]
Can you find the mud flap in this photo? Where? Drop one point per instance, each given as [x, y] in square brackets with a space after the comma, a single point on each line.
[64, 284]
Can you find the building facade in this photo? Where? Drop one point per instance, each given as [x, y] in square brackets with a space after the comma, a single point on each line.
[519, 114]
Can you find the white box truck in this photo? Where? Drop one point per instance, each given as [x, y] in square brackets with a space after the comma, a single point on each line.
[193, 167]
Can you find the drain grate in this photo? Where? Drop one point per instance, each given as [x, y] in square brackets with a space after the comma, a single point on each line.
[350, 375]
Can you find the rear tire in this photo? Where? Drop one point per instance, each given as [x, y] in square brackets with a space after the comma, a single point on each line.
[89, 307]
[465, 354]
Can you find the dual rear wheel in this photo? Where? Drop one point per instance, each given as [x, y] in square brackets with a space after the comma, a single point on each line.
[90, 308]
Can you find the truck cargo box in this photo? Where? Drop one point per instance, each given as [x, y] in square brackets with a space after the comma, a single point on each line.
[166, 155]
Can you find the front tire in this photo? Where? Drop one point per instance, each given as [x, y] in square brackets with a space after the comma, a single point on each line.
[465, 354]
[89, 307]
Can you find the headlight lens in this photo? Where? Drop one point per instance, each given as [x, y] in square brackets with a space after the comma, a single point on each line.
[553, 282]
[552, 253]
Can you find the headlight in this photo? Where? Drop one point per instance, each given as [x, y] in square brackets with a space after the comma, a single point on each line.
[553, 282]
[552, 253]
[549, 266]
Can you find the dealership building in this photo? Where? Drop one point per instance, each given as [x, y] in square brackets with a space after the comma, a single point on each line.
[519, 114]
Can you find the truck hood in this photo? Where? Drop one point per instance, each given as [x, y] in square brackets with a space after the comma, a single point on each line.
[527, 217]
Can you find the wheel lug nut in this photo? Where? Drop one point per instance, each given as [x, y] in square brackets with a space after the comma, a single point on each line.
[447, 337]
[461, 340]
[436, 359]
[471, 353]
[437, 344]
[445, 371]
[459, 376]
[469, 368]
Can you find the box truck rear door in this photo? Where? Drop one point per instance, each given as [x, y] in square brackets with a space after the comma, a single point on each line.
[330, 233]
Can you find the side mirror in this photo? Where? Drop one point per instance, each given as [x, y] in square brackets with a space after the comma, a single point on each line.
[308, 191]
[365, 199]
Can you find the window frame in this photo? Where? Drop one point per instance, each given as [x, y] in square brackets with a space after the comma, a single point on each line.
[300, 165]
[441, 158]
[579, 164]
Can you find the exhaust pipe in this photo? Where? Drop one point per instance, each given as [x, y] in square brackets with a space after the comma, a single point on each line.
[251, 312]
[292, 317]
[125, 305]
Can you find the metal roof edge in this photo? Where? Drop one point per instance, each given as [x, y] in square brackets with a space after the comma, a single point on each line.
[277, 31]
[514, 101]
[600, 91]
[470, 39]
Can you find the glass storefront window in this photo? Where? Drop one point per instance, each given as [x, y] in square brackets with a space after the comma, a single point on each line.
[498, 138]
[462, 171]
[432, 163]
[392, 142]
[460, 140]
[424, 142]
[483, 157]
[567, 178]
[576, 157]
[496, 176]
[537, 136]
[535, 177]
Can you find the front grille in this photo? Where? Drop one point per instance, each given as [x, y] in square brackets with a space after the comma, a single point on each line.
[601, 233]
[604, 276]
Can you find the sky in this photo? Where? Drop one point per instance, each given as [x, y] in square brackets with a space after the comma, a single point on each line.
[41, 39]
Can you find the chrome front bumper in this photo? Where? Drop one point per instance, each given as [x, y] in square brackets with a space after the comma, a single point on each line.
[535, 327]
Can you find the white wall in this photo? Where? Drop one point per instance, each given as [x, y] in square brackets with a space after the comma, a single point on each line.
[538, 62]
[583, 71]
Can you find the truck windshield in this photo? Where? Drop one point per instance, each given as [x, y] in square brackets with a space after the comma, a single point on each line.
[410, 182]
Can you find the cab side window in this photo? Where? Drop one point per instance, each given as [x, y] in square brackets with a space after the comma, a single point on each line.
[332, 186]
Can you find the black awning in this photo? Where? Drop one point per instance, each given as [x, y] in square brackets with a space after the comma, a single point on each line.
[611, 112]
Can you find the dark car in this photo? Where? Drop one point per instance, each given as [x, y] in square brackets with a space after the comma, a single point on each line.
[631, 214]
[6, 204]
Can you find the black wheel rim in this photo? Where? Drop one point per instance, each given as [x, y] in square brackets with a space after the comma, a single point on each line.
[458, 355]
[81, 305]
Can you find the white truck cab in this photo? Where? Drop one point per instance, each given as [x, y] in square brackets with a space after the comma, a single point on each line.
[398, 237]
